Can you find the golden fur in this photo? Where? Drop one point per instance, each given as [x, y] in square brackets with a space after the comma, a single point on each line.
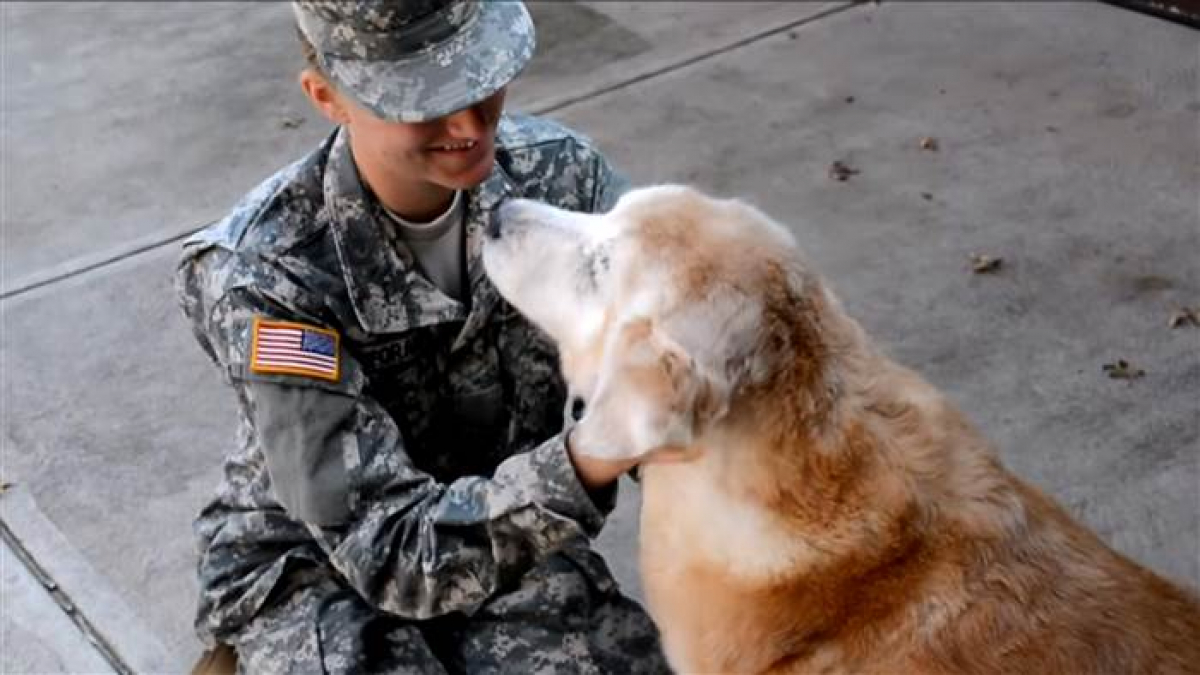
[831, 511]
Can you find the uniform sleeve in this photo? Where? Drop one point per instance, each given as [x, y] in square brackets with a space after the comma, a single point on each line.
[609, 183]
[408, 544]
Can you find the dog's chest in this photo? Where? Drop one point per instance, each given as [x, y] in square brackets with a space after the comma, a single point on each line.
[690, 521]
[678, 505]
[708, 561]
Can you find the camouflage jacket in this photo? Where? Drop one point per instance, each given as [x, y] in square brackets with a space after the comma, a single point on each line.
[428, 469]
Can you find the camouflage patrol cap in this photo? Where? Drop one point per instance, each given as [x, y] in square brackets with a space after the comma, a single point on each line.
[416, 60]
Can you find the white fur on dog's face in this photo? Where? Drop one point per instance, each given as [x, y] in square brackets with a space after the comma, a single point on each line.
[554, 267]
[653, 318]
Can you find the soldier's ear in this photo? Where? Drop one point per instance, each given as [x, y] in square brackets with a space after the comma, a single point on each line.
[323, 96]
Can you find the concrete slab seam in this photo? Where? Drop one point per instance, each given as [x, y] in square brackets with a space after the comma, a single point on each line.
[123, 253]
[89, 591]
[555, 106]
[64, 602]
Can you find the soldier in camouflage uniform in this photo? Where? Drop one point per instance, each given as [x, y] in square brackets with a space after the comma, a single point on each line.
[402, 496]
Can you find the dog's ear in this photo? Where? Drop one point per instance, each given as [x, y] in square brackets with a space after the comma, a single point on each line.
[650, 395]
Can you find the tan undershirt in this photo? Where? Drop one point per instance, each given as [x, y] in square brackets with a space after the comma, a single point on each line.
[438, 246]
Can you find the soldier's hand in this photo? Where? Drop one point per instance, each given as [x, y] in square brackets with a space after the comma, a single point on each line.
[596, 473]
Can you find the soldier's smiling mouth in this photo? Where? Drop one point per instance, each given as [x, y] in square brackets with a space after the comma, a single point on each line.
[456, 146]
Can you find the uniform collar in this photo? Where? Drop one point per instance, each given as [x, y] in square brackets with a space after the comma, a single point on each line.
[386, 291]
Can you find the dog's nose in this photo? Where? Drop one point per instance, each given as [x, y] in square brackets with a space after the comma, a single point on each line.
[512, 213]
[493, 226]
[505, 214]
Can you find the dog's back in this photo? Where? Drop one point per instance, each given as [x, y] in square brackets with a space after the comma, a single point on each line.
[1051, 597]
[906, 548]
[842, 516]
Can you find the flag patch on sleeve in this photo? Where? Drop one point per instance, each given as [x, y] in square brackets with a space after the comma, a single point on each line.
[294, 349]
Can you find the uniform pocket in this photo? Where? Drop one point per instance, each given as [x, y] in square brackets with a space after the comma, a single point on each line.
[482, 407]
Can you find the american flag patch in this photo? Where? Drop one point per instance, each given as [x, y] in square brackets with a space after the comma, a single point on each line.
[294, 349]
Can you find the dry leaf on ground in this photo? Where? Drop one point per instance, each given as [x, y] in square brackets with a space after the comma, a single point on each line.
[929, 143]
[840, 171]
[1185, 316]
[984, 264]
[1122, 370]
[291, 122]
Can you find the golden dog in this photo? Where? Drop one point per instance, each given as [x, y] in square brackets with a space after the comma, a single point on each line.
[829, 511]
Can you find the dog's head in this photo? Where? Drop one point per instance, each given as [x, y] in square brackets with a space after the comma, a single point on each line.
[666, 310]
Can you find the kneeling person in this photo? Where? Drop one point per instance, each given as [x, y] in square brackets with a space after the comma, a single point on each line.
[402, 495]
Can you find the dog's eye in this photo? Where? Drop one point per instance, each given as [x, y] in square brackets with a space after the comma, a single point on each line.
[577, 408]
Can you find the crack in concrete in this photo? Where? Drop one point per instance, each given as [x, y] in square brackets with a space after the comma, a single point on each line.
[64, 602]
[23, 287]
[117, 256]
[704, 56]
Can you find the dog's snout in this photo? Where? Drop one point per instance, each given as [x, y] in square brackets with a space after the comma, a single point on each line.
[509, 211]
[520, 220]
[493, 226]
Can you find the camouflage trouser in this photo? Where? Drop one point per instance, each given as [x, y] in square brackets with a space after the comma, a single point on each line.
[558, 620]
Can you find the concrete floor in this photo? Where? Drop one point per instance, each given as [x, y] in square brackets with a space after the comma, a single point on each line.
[37, 634]
[1067, 146]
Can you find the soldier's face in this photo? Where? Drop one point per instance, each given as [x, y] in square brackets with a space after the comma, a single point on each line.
[456, 151]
